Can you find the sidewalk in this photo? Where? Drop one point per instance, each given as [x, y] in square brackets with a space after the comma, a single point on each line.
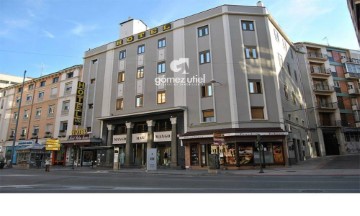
[314, 166]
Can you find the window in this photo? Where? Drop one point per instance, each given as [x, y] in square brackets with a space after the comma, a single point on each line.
[161, 97]
[38, 113]
[92, 81]
[293, 97]
[161, 68]
[288, 67]
[68, 88]
[63, 126]
[51, 110]
[88, 129]
[70, 75]
[204, 57]
[333, 68]
[257, 112]
[91, 106]
[49, 128]
[202, 31]
[295, 74]
[31, 87]
[94, 61]
[26, 114]
[247, 25]
[17, 100]
[276, 33]
[255, 87]
[337, 84]
[286, 92]
[120, 104]
[42, 83]
[162, 43]
[41, 95]
[250, 53]
[140, 72]
[122, 54]
[65, 107]
[28, 98]
[121, 77]
[36, 130]
[208, 115]
[141, 49]
[207, 90]
[19, 89]
[55, 80]
[15, 115]
[139, 101]
[23, 132]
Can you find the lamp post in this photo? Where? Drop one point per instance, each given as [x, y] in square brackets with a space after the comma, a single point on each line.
[17, 121]
[260, 147]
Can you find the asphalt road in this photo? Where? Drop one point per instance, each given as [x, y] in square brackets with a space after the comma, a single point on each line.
[97, 181]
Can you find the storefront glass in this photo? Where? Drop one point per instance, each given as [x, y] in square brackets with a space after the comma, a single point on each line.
[229, 154]
[194, 155]
[246, 154]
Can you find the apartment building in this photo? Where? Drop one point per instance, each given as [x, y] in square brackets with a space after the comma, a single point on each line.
[354, 9]
[8, 80]
[47, 110]
[207, 83]
[334, 86]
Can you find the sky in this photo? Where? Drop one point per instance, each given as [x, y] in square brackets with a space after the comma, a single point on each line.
[45, 36]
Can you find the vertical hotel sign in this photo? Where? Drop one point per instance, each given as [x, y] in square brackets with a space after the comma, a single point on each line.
[80, 92]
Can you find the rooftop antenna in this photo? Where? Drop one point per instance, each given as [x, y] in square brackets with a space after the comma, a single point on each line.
[327, 40]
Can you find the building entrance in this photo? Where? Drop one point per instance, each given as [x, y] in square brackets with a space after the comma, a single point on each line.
[163, 154]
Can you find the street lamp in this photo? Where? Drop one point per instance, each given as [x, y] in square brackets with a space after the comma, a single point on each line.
[260, 147]
[17, 121]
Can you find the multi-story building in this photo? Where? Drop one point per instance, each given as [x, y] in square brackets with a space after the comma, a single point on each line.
[207, 83]
[354, 8]
[47, 110]
[8, 80]
[333, 93]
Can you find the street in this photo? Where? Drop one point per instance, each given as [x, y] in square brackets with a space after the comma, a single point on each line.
[37, 181]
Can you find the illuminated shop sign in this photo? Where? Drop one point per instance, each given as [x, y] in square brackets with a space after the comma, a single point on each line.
[142, 35]
[119, 139]
[80, 131]
[140, 138]
[80, 92]
[164, 136]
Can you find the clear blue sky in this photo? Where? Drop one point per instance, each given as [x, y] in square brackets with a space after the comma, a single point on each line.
[53, 34]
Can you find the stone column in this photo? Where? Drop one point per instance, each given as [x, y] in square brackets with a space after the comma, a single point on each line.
[150, 140]
[173, 162]
[128, 147]
[110, 134]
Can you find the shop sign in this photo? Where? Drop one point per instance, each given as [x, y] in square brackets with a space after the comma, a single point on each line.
[218, 139]
[81, 131]
[52, 145]
[139, 138]
[119, 139]
[80, 92]
[258, 133]
[164, 136]
[142, 35]
[79, 137]
[26, 143]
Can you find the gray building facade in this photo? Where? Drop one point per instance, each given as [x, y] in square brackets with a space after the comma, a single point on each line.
[205, 84]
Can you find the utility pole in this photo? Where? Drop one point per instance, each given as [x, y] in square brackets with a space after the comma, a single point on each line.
[17, 121]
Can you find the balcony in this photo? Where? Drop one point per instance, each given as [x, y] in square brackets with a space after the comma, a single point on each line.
[34, 136]
[354, 91]
[326, 107]
[352, 76]
[355, 107]
[320, 71]
[47, 134]
[330, 123]
[317, 56]
[323, 89]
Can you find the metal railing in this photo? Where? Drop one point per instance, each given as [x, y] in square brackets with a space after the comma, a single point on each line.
[323, 87]
[330, 123]
[326, 105]
[317, 55]
[320, 70]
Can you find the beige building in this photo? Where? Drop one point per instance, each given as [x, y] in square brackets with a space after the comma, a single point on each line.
[47, 110]
[8, 80]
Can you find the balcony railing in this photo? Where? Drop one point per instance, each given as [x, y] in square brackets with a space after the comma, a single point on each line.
[323, 87]
[352, 75]
[317, 55]
[326, 105]
[354, 91]
[330, 123]
[320, 70]
[355, 107]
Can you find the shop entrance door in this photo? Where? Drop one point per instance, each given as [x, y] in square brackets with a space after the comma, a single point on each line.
[163, 154]
[139, 154]
[88, 157]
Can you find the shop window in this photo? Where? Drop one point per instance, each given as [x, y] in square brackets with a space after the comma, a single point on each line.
[194, 155]
[246, 154]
